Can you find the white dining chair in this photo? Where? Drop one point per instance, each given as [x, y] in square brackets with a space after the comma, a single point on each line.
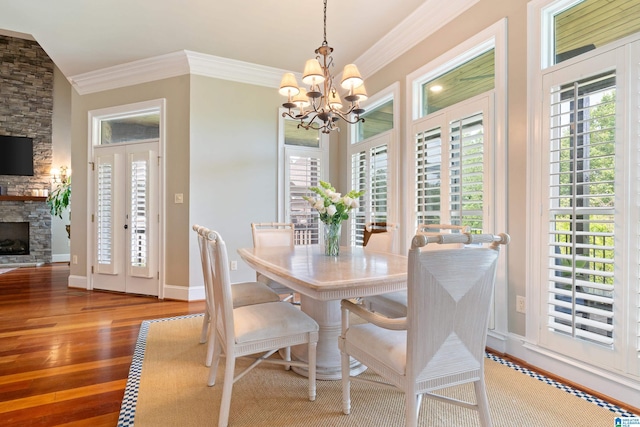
[259, 329]
[441, 341]
[244, 293]
[394, 304]
[274, 234]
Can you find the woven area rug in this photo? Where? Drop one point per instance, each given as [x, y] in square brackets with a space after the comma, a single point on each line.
[167, 387]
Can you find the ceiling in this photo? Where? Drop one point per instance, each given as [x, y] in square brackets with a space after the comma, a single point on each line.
[83, 36]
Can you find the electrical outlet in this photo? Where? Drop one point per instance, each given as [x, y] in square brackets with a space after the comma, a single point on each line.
[521, 304]
[234, 265]
[75, 259]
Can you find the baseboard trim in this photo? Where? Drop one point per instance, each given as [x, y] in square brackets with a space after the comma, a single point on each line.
[78, 282]
[60, 257]
[183, 293]
[623, 390]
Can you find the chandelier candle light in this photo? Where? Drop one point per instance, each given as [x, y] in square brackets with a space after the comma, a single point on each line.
[322, 100]
[333, 209]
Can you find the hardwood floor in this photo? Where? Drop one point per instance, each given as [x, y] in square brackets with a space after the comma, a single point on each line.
[65, 353]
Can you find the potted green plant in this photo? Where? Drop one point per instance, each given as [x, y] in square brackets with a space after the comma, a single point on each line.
[59, 199]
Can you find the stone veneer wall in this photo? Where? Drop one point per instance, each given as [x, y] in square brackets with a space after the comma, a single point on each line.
[26, 108]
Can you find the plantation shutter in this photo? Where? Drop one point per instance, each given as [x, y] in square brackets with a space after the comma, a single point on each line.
[303, 171]
[581, 218]
[139, 167]
[466, 172]
[107, 262]
[452, 166]
[379, 190]
[370, 172]
[428, 172]
[359, 175]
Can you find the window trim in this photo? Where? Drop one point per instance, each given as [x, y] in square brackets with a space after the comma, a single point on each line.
[496, 34]
[94, 116]
[590, 375]
[393, 150]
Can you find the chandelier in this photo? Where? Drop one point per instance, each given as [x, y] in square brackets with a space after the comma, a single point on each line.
[320, 107]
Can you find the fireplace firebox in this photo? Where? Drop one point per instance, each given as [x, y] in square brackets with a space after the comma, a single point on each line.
[14, 238]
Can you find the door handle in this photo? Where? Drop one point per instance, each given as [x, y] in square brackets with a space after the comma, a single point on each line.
[126, 226]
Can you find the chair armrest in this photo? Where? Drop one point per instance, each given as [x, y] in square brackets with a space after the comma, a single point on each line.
[397, 324]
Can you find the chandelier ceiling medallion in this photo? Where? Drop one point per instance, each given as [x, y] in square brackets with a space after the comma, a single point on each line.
[322, 101]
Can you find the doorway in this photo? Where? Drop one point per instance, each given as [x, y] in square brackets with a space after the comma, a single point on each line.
[126, 218]
[125, 188]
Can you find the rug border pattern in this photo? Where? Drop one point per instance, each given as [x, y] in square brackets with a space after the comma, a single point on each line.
[128, 407]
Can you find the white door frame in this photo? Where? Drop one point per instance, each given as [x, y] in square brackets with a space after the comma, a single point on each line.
[93, 138]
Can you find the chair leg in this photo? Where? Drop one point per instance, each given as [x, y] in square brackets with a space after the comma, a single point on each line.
[205, 328]
[211, 344]
[287, 357]
[312, 370]
[213, 370]
[411, 408]
[483, 403]
[227, 387]
[346, 383]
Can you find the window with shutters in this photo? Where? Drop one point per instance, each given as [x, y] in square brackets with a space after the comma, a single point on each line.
[450, 166]
[585, 270]
[303, 156]
[371, 168]
[582, 199]
[304, 172]
[370, 172]
[456, 149]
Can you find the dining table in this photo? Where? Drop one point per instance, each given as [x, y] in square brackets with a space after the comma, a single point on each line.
[322, 281]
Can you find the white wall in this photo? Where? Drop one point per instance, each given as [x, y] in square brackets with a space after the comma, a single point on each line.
[233, 164]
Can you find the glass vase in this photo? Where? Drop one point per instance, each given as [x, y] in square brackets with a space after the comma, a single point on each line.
[332, 239]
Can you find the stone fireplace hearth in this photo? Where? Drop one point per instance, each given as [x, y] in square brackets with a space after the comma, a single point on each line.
[14, 238]
[35, 213]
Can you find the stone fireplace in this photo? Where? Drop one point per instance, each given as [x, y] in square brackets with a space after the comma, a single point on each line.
[26, 108]
[14, 238]
[17, 217]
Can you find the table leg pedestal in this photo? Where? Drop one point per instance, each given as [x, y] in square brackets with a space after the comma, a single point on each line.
[329, 318]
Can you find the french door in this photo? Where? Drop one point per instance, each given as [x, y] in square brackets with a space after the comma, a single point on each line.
[126, 216]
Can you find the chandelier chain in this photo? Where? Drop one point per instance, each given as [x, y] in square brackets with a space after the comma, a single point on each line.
[324, 43]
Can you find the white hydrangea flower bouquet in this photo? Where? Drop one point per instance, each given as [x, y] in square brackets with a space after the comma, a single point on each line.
[333, 207]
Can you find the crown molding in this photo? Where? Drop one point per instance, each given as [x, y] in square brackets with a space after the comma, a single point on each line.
[423, 22]
[132, 73]
[237, 71]
[427, 19]
[173, 65]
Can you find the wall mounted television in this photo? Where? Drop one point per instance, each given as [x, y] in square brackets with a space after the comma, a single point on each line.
[16, 155]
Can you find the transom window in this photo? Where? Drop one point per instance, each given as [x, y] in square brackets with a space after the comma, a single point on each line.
[465, 81]
[297, 136]
[131, 127]
[581, 26]
[377, 120]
